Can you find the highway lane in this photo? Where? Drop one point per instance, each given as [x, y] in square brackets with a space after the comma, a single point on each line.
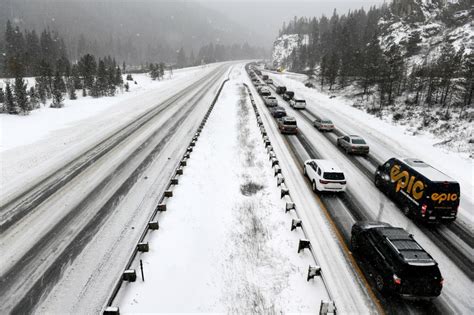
[40, 245]
[349, 288]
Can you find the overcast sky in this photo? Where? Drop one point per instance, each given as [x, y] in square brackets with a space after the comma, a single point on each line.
[267, 16]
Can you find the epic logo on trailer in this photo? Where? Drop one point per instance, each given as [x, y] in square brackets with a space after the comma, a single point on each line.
[443, 197]
[404, 180]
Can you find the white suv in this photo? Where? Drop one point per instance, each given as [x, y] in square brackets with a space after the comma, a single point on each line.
[324, 175]
[298, 103]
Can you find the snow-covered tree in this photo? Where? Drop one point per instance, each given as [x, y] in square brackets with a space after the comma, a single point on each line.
[57, 93]
[21, 95]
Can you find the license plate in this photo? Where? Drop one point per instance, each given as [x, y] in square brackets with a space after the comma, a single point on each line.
[432, 218]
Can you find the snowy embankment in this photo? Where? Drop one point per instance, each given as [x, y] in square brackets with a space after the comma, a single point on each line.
[224, 243]
[388, 140]
[32, 145]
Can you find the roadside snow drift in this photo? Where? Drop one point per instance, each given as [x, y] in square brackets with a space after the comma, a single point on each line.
[224, 243]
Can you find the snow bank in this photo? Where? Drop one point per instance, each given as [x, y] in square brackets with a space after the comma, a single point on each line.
[224, 243]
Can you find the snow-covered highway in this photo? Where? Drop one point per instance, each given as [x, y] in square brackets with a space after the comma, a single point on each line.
[69, 224]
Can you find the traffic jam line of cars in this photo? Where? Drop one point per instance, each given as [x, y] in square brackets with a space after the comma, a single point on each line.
[399, 264]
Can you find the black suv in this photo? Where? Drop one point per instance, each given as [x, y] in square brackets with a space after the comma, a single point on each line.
[398, 263]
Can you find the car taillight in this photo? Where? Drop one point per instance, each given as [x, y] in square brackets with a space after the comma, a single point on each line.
[323, 181]
[441, 282]
[397, 280]
[423, 209]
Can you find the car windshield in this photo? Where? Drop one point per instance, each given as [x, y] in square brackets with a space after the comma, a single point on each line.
[300, 101]
[327, 122]
[358, 141]
[290, 122]
[333, 175]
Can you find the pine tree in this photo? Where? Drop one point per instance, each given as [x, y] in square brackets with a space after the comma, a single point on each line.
[21, 95]
[10, 100]
[76, 80]
[33, 96]
[58, 97]
[118, 77]
[2, 96]
[102, 82]
[332, 69]
[71, 89]
[111, 88]
[87, 69]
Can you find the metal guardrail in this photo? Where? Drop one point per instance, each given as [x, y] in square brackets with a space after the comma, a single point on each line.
[152, 224]
[327, 307]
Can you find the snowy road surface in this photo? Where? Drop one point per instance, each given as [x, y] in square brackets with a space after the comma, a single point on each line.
[64, 252]
[224, 243]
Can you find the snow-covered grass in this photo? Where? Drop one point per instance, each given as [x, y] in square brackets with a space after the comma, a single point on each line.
[388, 138]
[224, 243]
[33, 145]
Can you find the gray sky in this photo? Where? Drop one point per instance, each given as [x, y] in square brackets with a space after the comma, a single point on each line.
[267, 16]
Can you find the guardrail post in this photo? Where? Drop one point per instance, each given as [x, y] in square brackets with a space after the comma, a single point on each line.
[111, 310]
[153, 225]
[313, 271]
[327, 308]
[129, 275]
[284, 190]
[302, 244]
[295, 223]
[143, 247]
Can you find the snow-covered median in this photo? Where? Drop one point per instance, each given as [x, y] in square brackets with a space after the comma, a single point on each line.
[224, 243]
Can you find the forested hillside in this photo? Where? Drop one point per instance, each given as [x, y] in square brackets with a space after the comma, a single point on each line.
[389, 58]
[109, 27]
